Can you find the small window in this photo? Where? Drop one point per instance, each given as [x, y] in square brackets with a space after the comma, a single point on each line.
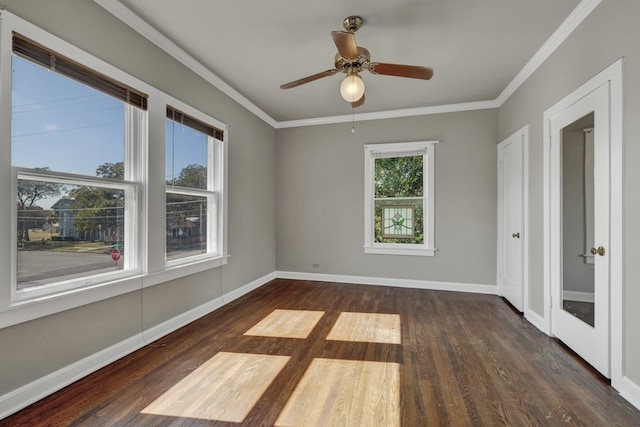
[193, 175]
[399, 199]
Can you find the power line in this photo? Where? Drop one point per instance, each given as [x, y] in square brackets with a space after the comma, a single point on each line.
[67, 130]
[57, 100]
[63, 113]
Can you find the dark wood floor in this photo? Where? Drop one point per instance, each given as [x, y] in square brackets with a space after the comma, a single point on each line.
[465, 359]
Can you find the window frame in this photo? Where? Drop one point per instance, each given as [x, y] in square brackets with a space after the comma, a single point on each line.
[134, 139]
[216, 164]
[131, 208]
[426, 149]
[145, 172]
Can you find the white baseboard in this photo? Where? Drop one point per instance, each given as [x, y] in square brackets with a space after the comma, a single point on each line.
[399, 283]
[629, 390]
[156, 332]
[237, 293]
[578, 296]
[42, 387]
[26, 395]
[36, 390]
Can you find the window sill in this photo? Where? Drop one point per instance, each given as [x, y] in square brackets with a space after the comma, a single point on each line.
[37, 307]
[34, 308]
[180, 268]
[399, 251]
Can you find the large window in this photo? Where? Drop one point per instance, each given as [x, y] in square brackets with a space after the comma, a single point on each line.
[92, 208]
[71, 145]
[399, 198]
[194, 161]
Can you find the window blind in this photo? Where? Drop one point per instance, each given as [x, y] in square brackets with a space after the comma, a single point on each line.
[34, 52]
[186, 120]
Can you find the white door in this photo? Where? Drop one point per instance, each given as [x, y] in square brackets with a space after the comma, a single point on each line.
[511, 210]
[579, 221]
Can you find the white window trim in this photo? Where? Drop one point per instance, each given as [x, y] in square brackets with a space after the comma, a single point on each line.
[212, 213]
[215, 194]
[148, 175]
[130, 260]
[374, 151]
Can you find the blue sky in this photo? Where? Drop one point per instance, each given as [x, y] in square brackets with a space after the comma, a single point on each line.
[185, 146]
[69, 127]
[61, 124]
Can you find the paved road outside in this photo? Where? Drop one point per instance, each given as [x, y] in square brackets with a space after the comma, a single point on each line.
[41, 267]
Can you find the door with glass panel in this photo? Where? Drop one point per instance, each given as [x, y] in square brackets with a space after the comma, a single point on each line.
[580, 210]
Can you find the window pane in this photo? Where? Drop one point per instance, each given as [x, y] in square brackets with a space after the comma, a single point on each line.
[186, 225]
[62, 125]
[67, 231]
[398, 222]
[399, 177]
[186, 156]
[404, 223]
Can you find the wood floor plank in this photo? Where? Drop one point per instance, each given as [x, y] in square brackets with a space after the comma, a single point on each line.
[224, 388]
[286, 324]
[367, 327]
[324, 396]
[461, 360]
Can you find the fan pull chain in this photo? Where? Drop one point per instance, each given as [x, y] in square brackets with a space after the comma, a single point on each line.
[353, 120]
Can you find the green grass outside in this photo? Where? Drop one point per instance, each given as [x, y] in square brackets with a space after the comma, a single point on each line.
[36, 243]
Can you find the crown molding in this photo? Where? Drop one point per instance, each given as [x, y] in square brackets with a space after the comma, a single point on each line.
[575, 18]
[126, 15]
[391, 114]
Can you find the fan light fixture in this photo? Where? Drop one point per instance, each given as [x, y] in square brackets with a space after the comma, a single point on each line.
[352, 88]
[352, 59]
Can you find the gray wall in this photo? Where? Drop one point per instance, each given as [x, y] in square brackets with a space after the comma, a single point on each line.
[33, 349]
[609, 33]
[320, 183]
[319, 177]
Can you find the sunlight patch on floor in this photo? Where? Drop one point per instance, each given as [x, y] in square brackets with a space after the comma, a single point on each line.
[345, 393]
[287, 324]
[367, 327]
[224, 388]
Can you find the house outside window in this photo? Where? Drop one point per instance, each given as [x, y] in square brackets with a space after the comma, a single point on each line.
[399, 198]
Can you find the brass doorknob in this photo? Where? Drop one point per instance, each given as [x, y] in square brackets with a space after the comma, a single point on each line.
[516, 235]
[600, 251]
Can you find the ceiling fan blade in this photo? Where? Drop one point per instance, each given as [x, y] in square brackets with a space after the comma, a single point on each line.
[346, 44]
[411, 71]
[358, 103]
[309, 79]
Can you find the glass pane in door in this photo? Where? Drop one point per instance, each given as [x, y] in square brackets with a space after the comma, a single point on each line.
[578, 261]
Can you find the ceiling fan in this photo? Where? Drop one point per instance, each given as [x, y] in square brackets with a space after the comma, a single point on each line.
[352, 59]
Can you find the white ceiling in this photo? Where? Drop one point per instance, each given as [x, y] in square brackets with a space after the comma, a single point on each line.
[249, 48]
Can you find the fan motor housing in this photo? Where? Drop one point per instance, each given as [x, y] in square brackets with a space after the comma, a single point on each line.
[361, 62]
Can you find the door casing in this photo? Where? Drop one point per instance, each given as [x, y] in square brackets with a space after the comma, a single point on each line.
[613, 75]
[591, 342]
